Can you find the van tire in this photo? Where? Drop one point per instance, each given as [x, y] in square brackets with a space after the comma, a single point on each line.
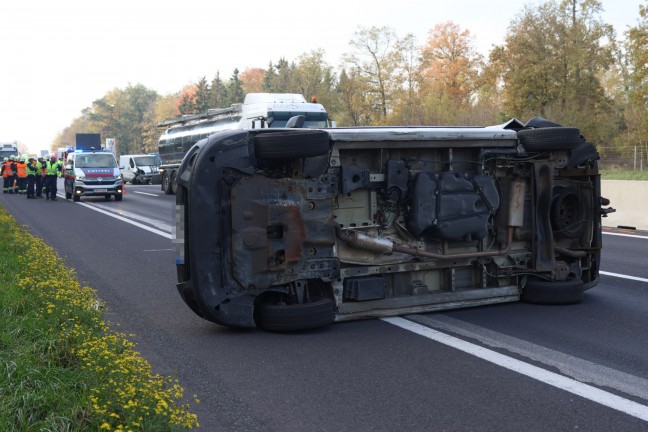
[289, 145]
[281, 317]
[550, 138]
[118, 197]
[546, 292]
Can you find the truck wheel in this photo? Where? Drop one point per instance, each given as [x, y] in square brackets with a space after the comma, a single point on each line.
[553, 292]
[278, 316]
[174, 183]
[291, 145]
[550, 138]
[166, 183]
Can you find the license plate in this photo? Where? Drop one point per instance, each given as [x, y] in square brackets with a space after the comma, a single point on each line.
[101, 190]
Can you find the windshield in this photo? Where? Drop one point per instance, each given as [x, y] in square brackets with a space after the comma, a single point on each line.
[145, 161]
[96, 161]
[7, 153]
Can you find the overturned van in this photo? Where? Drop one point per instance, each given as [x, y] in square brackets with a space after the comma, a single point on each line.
[289, 229]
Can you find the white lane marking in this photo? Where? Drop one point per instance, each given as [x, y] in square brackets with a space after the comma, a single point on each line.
[157, 250]
[123, 219]
[577, 368]
[626, 235]
[568, 384]
[622, 276]
[145, 193]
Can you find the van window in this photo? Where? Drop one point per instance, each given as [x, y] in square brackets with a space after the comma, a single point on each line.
[94, 160]
[145, 161]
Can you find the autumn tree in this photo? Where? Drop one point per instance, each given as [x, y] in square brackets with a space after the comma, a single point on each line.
[450, 64]
[252, 80]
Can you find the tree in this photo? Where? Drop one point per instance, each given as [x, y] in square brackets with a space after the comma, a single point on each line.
[406, 97]
[373, 60]
[551, 64]
[202, 95]
[637, 49]
[313, 77]
[252, 80]
[451, 64]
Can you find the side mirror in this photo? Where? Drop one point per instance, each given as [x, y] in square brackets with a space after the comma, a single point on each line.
[296, 121]
[121, 167]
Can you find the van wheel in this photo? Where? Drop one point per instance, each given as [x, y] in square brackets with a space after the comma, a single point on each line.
[549, 138]
[118, 197]
[291, 145]
[540, 291]
[278, 316]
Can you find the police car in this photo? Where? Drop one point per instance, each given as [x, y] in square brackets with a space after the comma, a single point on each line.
[92, 173]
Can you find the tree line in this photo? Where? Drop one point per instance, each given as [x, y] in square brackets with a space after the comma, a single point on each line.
[559, 60]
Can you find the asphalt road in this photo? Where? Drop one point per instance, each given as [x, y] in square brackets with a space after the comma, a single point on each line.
[364, 375]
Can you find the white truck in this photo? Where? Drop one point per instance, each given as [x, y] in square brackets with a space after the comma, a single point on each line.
[258, 111]
[8, 149]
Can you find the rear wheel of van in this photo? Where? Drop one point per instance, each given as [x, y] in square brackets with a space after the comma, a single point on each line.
[540, 291]
[279, 316]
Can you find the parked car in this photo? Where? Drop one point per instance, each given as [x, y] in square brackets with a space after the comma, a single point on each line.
[289, 229]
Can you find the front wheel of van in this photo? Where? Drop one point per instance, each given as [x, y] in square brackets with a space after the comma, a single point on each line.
[291, 145]
[279, 316]
[118, 197]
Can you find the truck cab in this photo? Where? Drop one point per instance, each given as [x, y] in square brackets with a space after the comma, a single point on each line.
[92, 173]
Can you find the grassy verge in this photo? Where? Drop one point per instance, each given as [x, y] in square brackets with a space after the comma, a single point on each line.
[624, 175]
[61, 367]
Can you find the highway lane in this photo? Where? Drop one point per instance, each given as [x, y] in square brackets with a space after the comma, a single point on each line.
[364, 375]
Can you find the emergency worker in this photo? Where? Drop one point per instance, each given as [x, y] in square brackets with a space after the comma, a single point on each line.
[14, 170]
[53, 170]
[32, 171]
[7, 176]
[21, 175]
[39, 177]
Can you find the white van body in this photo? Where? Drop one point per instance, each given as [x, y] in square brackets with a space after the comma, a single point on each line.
[139, 169]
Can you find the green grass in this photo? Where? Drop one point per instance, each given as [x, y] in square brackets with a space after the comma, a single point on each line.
[624, 175]
[61, 367]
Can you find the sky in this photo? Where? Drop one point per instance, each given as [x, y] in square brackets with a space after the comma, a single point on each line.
[58, 56]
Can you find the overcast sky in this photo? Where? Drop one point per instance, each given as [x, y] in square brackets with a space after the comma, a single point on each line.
[57, 56]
